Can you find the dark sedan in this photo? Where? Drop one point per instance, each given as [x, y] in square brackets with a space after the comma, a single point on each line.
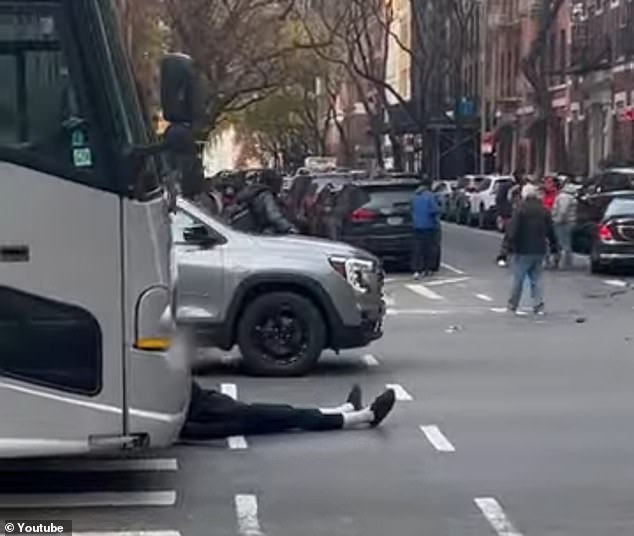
[613, 244]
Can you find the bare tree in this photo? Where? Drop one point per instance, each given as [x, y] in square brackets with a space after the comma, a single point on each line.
[359, 34]
[536, 69]
[238, 45]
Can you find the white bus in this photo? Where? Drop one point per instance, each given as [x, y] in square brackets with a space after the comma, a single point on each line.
[87, 360]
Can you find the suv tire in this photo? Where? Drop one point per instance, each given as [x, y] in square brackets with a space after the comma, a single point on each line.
[298, 317]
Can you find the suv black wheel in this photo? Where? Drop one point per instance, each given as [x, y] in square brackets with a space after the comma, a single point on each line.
[280, 334]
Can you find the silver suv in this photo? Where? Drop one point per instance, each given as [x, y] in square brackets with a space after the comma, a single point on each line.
[281, 299]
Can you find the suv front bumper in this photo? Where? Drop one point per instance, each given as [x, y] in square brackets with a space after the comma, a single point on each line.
[371, 307]
[370, 329]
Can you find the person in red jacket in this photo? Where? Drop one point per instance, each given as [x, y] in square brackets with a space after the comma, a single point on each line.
[550, 193]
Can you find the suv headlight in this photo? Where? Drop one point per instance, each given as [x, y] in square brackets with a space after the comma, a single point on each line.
[355, 271]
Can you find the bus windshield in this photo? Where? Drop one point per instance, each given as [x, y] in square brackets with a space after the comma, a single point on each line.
[110, 70]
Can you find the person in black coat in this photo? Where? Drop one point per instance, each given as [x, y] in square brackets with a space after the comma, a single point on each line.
[257, 209]
[531, 232]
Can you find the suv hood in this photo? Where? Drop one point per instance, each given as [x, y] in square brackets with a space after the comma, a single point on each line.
[306, 246]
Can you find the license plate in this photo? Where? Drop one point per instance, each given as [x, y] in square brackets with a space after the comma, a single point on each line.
[395, 221]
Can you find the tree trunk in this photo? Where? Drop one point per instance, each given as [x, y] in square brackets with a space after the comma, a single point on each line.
[378, 150]
[397, 152]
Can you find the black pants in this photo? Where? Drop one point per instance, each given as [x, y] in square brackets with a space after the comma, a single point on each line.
[424, 254]
[213, 415]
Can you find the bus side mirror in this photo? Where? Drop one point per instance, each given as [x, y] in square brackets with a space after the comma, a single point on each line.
[181, 90]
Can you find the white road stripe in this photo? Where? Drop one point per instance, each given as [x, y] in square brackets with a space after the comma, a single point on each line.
[496, 516]
[422, 290]
[229, 389]
[139, 465]
[452, 269]
[439, 282]
[615, 283]
[105, 499]
[504, 310]
[401, 394]
[247, 514]
[130, 533]
[237, 443]
[234, 442]
[370, 360]
[437, 439]
[430, 312]
[484, 297]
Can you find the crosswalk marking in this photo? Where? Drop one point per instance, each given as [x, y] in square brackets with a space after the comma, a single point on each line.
[440, 282]
[452, 268]
[370, 360]
[437, 439]
[496, 517]
[401, 394]
[247, 514]
[484, 297]
[615, 283]
[425, 292]
[99, 499]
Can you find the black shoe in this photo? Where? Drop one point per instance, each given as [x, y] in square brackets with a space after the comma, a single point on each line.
[382, 406]
[355, 398]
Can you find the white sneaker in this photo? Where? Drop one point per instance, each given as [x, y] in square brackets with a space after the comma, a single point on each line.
[502, 263]
[416, 276]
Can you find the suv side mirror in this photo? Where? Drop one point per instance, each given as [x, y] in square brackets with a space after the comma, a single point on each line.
[200, 236]
[181, 90]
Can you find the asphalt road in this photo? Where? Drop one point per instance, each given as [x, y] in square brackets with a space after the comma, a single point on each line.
[507, 425]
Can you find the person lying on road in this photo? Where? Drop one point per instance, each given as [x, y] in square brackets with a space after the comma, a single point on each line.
[213, 415]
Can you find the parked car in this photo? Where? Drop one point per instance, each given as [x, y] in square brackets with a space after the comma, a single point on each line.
[304, 193]
[590, 210]
[375, 215]
[442, 190]
[483, 199]
[613, 240]
[281, 299]
[460, 199]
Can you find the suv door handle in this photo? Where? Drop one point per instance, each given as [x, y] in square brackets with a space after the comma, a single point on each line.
[18, 253]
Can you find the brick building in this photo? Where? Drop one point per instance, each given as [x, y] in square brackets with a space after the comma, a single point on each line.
[602, 83]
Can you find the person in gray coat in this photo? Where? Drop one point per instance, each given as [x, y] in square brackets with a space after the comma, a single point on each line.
[564, 217]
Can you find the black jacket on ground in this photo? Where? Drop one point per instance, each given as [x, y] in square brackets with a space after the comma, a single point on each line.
[266, 214]
[531, 230]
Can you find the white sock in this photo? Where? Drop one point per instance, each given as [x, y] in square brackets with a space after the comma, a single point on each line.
[344, 408]
[356, 418]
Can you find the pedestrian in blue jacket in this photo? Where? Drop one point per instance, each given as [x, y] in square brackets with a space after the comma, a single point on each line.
[426, 227]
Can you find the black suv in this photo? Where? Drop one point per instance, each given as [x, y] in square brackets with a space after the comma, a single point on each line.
[375, 215]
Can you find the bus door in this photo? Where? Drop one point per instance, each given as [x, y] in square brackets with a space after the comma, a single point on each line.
[61, 288]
